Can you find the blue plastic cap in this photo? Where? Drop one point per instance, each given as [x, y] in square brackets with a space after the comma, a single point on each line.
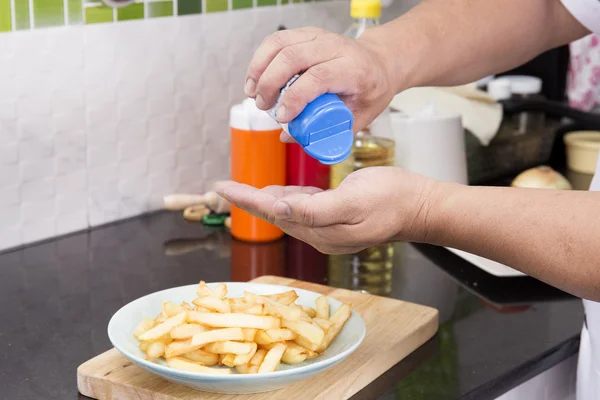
[324, 129]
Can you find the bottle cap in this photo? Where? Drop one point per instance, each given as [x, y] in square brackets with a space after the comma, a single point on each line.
[499, 89]
[324, 129]
[246, 116]
[523, 85]
[365, 8]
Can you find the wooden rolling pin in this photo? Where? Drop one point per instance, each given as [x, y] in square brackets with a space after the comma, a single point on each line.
[178, 202]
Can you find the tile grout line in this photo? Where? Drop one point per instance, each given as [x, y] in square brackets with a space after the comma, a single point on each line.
[31, 17]
[66, 12]
[13, 16]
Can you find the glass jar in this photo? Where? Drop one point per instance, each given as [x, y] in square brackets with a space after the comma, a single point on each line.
[369, 269]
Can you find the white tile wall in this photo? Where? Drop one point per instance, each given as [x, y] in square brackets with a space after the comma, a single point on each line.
[98, 122]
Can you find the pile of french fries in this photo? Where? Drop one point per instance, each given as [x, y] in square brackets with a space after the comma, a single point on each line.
[253, 333]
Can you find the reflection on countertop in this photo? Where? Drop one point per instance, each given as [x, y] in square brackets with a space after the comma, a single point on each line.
[494, 332]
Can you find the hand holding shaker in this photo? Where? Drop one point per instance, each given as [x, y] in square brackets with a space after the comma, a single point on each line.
[323, 128]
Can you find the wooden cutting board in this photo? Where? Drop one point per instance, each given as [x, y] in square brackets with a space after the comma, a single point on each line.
[394, 330]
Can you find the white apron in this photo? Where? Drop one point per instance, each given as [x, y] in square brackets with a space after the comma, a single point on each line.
[588, 367]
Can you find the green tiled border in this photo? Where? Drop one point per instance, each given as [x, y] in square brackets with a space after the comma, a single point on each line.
[28, 14]
[75, 12]
[188, 7]
[5, 16]
[160, 8]
[239, 4]
[216, 5]
[98, 14]
[48, 13]
[21, 14]
[134, 11]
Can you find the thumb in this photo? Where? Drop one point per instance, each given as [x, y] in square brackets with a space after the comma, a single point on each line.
[314, 210]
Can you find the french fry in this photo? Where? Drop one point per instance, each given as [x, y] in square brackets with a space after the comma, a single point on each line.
[256, 360]
[143, 327]
[219, 291]
[203, 357]
[202, 290]
[254, 309]
[294, 354]
[272, 359]
[179, 347]
[322, 307]
[308, 330]
[325, 324]
[155, 350]
[309, 353]
[274, 335]
[172, 309]
[249, 334]
[164, 327]
[228, 347]
[217, 335]
[160, 318]
[276, 309]
[228, 360]
[143, 346]
[311, 312]
[186, 305]
[285, 298]
[339, 318]
[239, 301]
[300, 341]
[213, 303]
[234, 320]
[201, 309]
[242, 369]
[188, 365]
[186, 331]
[243, 359]
[267, 346]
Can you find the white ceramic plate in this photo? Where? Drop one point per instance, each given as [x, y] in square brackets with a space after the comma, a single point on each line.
[124, 322]
[489, 266]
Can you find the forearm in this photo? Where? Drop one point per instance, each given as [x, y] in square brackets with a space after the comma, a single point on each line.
[450, 42]
[553, 236]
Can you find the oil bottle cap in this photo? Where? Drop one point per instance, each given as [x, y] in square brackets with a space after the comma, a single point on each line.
[324, 129]
[365, 9]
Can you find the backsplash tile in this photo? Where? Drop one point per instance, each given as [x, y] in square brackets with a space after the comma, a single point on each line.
[99, 122]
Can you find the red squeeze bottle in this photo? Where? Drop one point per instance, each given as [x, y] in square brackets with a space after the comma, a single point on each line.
[303, 170]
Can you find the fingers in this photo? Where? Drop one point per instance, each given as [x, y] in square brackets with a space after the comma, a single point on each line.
[314, 210]
[260, 203]
[269, 48]
[286, 137]
[252, 200]
[291, 60]
[328, 77]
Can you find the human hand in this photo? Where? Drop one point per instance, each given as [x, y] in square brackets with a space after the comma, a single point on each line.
[371, 206]
[356, 70]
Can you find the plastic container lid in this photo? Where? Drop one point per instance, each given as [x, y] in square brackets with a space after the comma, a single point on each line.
[248, 117]
[365, 8]
[324, 129]
[484, 81]
[523, 85]
[499, 89]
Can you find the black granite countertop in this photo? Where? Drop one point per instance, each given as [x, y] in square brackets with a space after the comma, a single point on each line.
[57, 297]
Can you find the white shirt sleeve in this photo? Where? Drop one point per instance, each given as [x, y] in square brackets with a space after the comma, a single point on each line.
[587, 12]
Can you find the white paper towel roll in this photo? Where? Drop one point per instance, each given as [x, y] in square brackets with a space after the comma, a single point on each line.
[432, 144]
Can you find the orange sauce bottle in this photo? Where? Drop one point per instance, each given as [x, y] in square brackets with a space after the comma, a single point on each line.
[257, 159]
